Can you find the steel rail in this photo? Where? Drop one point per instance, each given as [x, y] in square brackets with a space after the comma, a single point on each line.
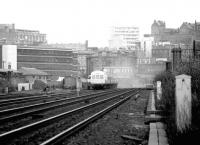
[20, 95]
[14, 110]
[20, 100]
[31, 112]
[77, 127]
[31, 98]
[5, 137]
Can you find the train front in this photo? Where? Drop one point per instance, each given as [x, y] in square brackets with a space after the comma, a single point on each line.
[98, 79]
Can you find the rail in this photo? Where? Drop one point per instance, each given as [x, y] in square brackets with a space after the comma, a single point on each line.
[66, 133]
[80, 99]
[5, 137]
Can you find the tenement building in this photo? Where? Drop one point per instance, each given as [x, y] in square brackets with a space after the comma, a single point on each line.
[10, 35]
[183, 35]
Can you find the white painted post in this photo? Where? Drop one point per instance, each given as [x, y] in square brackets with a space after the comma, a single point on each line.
[159, 90]
[183, 102]
[77, 86]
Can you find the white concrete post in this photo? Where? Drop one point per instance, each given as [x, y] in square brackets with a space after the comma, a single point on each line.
[77, 86]
[183, 102]
[159, 90]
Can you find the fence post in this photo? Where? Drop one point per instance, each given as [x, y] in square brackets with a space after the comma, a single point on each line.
[183, 102]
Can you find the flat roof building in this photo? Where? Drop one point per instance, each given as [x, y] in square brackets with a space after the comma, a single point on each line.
[54, 61]
[126, 37]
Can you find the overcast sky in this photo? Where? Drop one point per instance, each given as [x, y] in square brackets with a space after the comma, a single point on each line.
[66, 21]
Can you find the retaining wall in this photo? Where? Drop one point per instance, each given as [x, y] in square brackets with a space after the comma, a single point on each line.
[157, 134]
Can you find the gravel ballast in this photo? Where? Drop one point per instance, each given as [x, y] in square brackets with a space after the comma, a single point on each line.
[116, 127]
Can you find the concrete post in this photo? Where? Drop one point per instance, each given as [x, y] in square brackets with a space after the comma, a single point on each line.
[159, 90]
[78, 86]
[183, 102]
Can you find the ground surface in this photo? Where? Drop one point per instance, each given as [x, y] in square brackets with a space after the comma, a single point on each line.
[127, 119]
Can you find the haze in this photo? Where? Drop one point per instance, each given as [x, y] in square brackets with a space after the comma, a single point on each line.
[68, 21]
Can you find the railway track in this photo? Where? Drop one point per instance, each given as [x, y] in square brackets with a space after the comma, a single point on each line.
[26, 94]
[57, 139]
[41, 111]
[24, 111]
[5, 137]
[32, 99]
[11, 96]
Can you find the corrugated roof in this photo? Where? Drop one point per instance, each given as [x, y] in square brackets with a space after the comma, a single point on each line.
[32, 71]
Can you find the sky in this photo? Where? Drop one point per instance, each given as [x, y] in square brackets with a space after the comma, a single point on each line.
[74, 21]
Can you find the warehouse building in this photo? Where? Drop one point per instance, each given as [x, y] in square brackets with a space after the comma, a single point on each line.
[54, 61]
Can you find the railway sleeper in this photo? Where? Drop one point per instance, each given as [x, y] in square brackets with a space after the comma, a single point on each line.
[87, 101]
[37, 116]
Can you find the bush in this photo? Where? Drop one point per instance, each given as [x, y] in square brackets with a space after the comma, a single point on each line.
[38, 84]
[168, 103]
[12, 88]
[3, 83]
[168, 90]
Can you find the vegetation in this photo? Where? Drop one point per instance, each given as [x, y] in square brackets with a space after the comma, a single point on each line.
[167, 103]
[3, 83]
[38, 84]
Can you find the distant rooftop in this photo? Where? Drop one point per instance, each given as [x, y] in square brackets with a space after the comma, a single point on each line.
[32, 71]
[45, 47]
[6, 70]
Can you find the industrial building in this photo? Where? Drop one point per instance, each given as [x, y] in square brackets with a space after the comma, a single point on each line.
[54, 61]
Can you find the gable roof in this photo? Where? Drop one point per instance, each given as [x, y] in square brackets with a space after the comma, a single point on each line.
[32, 71]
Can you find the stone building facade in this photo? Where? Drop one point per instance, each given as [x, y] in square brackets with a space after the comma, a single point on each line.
[183, 35]
[10, 35]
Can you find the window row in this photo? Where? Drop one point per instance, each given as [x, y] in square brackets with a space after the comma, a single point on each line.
[44, 52]
[48, 66]
[44, 59]
[97, 77]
